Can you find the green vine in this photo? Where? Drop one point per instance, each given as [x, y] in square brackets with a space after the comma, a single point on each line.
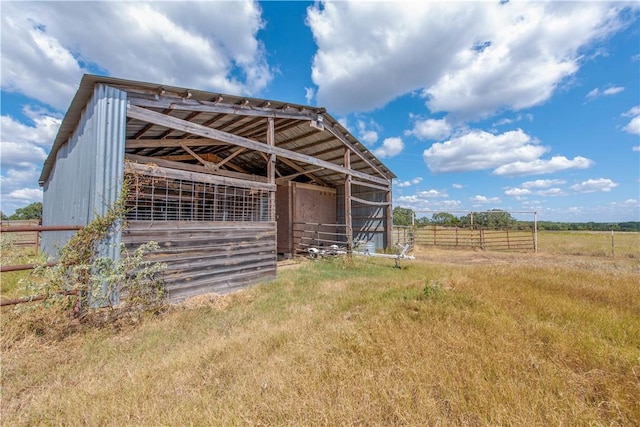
[83, 282]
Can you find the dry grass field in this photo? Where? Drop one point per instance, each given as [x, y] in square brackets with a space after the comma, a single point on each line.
[452, 338]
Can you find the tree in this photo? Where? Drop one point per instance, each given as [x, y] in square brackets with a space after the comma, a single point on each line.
[494, 218]
[402, 216]
[444, 218]
[33, 211]
[3, 216]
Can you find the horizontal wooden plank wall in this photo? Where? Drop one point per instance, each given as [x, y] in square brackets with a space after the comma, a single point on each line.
[204, 257]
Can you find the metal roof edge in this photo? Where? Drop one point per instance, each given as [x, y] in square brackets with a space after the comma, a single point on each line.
[85, 91]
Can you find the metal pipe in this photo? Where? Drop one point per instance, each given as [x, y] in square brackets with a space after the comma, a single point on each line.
[21, 267]
[40, 228]
[32, 299]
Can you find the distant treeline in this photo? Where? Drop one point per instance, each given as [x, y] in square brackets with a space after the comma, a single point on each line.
[500, 219]
[586, 226]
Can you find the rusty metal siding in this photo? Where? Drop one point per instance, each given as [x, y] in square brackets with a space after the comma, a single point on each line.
[86, 176]
[204, 257]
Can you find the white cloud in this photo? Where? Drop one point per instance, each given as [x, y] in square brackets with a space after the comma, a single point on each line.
[468, 58]
[27, 194]
[20, 153]
[208, 45]
[542, 183]
[596, 93]
[516, 192]
[19, 184]
[414, 181]
[540, 166]
[555, 191]
[23, 149]
[526, 189]
[406, 199]
[309, 94]
[42, 133]
[484, 199]
[419, 203]
[593, 185]
[457, 186]
[519, 117]
[390, 147]
[479, 150]
[636, 148]
[431, 129]
[367, 134]
[633, 127]
[20, 198]
[431, 193]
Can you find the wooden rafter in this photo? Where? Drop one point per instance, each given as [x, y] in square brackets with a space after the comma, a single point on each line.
[193, 168]
[206, 164]
[164, 143]
[151, 116]
[308, 174]
[335, 132]
[233, 154]
[217, 159]
[290, 177]
[282, 125]
[181, 104]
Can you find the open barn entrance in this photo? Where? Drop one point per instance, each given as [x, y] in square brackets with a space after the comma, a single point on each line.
[210, 171]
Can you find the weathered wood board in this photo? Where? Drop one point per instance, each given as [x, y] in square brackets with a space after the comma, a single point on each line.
[204, 257]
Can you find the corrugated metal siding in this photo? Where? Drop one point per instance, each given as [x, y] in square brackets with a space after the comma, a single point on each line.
[205, 257]
[368, 222]
[87, 175]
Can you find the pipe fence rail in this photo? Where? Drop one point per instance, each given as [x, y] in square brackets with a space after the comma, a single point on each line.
[311, 234]
[29, 235]
[467, 237]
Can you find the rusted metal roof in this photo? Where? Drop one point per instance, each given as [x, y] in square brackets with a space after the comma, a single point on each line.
[303, 129]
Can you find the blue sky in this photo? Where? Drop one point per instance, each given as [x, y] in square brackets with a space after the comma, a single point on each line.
[521, 106]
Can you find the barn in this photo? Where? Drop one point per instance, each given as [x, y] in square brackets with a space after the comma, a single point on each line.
[225, 184]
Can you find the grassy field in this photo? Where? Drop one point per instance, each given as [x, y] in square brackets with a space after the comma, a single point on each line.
[12, 283]
[452, 338]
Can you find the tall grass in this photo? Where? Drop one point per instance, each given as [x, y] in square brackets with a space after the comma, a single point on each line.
[619, 245]
[12, 282]
[351, 342]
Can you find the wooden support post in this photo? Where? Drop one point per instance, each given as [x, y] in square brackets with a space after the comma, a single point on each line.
[271, 168]
[389, 221]
[347, 201]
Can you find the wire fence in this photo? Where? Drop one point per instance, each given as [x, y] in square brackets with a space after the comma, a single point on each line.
[172, 199]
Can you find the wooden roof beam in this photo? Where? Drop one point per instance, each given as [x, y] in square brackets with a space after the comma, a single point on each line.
[193, 168]
[335, 132]
[290, 177]
[151, 116]
[308, 174]
[164, 143]
[182, 104]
